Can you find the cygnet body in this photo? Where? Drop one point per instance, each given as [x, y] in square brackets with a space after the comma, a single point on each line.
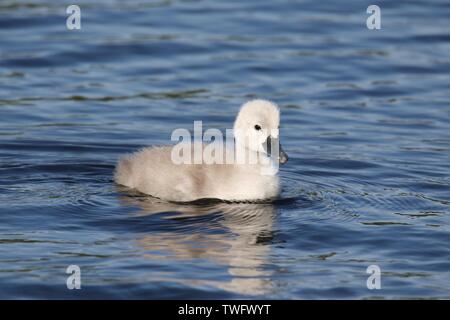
[152, 170]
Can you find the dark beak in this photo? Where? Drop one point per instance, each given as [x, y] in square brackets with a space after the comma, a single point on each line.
[274, 150]
[283, 158]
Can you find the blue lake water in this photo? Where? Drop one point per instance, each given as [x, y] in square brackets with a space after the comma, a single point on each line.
[365, 121]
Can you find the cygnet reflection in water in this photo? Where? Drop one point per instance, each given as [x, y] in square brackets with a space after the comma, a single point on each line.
[235, 235]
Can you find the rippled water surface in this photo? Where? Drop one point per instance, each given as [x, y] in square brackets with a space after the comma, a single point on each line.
[365, 120]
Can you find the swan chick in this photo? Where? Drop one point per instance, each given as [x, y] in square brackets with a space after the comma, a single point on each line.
[152, 170]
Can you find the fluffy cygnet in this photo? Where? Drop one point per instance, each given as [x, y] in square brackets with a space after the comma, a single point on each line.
[153, 171]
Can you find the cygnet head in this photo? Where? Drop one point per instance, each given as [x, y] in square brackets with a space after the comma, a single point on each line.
[257, 129]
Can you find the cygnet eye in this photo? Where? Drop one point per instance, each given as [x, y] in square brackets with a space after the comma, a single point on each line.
[257, 127]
